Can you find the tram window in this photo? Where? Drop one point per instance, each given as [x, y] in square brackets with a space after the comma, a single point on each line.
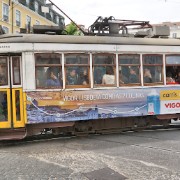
[3, 71]
[104, 70]
[16, 70]
[172, 69]
[77, 70]
[129, 73]
[152, 69]
[48, 70]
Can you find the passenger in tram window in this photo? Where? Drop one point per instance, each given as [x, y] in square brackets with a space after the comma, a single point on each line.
[83, 78]
[147, 76]
[178, 77]
[2, 76]
[72, 78]
[173, 71]
[98, 74]
[109, 77]
[133, 78]
[169, 79]
[122, 79]
[158, 74]
[52, 79]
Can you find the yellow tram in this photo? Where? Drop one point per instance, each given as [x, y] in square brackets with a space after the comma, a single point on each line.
[96, 83]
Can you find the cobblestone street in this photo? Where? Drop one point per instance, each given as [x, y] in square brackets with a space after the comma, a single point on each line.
[131, 155]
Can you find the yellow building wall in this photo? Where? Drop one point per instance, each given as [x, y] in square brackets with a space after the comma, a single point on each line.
[24, 12]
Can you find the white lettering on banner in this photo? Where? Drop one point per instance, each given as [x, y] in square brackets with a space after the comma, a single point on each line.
[168, 107]
[94, 97]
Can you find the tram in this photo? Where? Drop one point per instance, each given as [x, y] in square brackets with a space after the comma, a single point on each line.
[91, 84]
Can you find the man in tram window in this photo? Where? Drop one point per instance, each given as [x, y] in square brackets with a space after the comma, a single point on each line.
[98, 74]
[2, 76]
[52, 79]
[133, 78]
[72, 78]
[83, 77]
[122, 79]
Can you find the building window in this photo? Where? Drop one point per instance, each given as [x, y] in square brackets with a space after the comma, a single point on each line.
[57, 19]
[37, 22]
[5, 12]
[27, 2]
[18, 18]
[48, 69]
[152, 68]
[28, 20]
[77, 67]
[104, 70]
[52, 15]
[6, 30]
[36, 6]
[129, 70]
[174, 35]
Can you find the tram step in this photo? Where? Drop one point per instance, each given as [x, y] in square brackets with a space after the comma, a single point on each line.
[12, 134]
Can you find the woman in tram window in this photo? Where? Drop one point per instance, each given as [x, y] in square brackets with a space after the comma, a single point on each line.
[133, 77]
[169, 79]
[52, 80]
[147, 76]
[109, 77]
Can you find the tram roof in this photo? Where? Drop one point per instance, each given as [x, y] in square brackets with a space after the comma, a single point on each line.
[67, 39]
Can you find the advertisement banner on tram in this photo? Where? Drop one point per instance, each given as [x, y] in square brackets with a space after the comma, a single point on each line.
[66, 106]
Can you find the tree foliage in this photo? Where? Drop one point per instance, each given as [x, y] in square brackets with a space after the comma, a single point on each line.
[71, 29]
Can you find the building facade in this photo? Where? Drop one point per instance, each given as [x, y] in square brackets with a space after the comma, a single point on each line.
[174, 28]
[23, 14]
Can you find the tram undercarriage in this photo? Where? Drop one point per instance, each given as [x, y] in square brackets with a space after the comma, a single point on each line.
[101, 126]
[83, 128]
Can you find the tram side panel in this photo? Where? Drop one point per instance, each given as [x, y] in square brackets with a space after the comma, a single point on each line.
[65, 106]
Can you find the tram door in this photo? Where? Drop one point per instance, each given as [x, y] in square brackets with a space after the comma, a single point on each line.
[11, 94]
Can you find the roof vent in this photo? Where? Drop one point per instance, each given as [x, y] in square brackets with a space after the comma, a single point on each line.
[159, 31]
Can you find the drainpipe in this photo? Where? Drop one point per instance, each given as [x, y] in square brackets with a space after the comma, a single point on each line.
[12, 17]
